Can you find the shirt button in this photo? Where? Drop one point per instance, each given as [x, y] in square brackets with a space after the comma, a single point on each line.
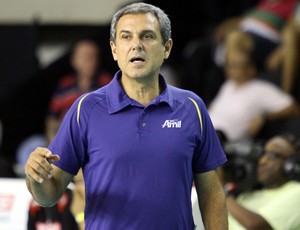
[143, 124]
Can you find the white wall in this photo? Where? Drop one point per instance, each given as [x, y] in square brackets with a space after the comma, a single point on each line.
[59, 11]
[14, 204]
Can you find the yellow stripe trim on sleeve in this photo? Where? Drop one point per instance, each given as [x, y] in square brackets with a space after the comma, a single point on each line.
[78, 108]
[199, 112]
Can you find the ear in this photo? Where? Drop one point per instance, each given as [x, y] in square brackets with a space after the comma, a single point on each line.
[168, 48]
[113, 50]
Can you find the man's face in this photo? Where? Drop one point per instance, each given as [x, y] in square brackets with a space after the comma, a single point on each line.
[270, 167]
[138, 48]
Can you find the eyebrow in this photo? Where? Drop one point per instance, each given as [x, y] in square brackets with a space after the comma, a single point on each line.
[142, 32]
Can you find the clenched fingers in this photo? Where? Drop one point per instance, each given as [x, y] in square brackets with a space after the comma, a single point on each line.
[38, 166]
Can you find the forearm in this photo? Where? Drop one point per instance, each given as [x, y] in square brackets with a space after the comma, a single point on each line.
[45, 181]
[213, 210]
[211, 201]
[290, 52]
[292, 110]
[46, 193]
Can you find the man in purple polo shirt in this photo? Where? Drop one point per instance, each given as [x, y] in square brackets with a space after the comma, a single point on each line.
[140, 142]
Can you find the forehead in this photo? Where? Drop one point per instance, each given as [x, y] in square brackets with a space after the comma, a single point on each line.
[139, 21]
[84, 47]
[279, 144]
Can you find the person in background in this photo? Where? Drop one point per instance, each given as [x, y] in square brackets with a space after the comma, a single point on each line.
[57, 217]
[66, 214]
[264, 22]
[244, 104]
[276, 204]
[78, 201]
[87, 75]
[140, 142]
[285, 61]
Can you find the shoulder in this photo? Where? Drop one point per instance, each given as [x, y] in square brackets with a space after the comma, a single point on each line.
[262, 84]
[89, 100]
[184, 96]
[85, 104]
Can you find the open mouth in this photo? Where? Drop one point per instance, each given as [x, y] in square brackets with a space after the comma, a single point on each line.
[137, 59]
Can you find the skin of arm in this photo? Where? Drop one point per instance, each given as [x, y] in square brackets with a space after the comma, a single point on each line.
[245, 217]
[258, 122]
[211, 201]
[45, 181]
[286, 56]
[290, 55]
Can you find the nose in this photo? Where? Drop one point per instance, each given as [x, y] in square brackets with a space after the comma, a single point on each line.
[136, 44]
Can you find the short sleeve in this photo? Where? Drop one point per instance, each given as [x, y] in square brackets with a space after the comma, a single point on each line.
[209, 153]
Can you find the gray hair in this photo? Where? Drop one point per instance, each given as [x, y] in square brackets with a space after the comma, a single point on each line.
[140, 7]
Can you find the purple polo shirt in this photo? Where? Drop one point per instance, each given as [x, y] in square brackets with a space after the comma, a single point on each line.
[138, 162]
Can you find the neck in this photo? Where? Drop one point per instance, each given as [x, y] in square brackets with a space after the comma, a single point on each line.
[142, 91]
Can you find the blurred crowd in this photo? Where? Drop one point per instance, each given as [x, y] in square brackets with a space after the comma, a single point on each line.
[244, 67]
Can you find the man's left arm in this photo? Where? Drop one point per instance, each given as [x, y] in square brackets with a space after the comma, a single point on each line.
[211, 200]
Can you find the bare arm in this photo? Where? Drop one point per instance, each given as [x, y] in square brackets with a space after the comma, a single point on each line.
[45, 181]
[211, 201]
[257, 123]
[245, 217]
[291, 55]
[292, 110]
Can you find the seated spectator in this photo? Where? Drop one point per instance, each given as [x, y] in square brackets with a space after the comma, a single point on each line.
[205, 60]
[244, 103]
[276, 204]
[87, 76]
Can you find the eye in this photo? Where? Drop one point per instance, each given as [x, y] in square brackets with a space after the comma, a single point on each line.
[125, 36]
[148, 36]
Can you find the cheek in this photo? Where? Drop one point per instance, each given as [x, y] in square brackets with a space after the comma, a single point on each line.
[121, 52]
[158, 56]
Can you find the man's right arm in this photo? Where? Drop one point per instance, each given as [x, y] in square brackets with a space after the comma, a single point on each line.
[45, 181]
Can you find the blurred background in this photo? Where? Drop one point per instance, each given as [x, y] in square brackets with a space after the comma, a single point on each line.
[36, 38]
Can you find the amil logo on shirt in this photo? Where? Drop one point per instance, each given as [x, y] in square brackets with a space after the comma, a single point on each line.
[172, 124]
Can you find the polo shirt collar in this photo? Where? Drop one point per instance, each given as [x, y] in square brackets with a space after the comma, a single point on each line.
[117, 99]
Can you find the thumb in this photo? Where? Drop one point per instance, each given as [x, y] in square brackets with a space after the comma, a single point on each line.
[53, 158]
